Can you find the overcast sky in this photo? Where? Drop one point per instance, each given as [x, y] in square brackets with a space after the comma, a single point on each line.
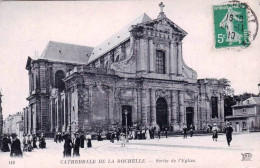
[28, 26]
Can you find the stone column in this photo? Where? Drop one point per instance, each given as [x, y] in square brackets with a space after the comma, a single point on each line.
[174, 108]
[196, 112]
[30, 118]
[52, 114]
[69, 110]
[173, 58]
[219, 109]
[143, 54]
[153, 107]
[222, 110]
[111, 106]
[208, 111]
[117, 111]
[91, 102]
[169, 111]
[34, 119]
[151, 56]
[180, 59]
[135, 108]
[64, 112]
[181, 108]
[144, 107]
[167, 61]
[139, 106]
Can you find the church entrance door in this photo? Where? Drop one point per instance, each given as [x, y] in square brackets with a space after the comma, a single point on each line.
[189, 116]
[161, 113]
[129, 115]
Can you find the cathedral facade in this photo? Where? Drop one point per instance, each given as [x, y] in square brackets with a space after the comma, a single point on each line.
[137, 78]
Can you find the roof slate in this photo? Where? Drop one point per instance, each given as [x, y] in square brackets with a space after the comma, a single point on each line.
[117, 38]
[67, 53]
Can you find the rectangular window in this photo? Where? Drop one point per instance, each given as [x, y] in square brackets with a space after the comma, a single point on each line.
[214, 107]
[160, 62]
[244, 124]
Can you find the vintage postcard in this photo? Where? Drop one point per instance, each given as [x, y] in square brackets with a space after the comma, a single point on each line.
[130, 84]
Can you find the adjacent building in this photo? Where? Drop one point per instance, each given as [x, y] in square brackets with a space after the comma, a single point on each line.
[246, 115]
[138, 77]
[14, 124]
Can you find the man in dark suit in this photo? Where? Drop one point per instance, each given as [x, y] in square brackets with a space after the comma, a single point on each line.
[166, 132]
[229, 131]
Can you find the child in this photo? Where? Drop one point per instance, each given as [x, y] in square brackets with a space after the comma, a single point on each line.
[123, 139]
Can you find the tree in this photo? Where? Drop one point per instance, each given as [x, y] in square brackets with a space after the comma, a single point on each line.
[228, 91]
[228, 96]
[244, 96]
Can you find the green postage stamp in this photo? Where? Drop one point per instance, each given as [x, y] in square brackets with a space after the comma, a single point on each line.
[231, 25]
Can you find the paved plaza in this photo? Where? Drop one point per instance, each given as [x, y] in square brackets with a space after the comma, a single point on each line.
[197, 151]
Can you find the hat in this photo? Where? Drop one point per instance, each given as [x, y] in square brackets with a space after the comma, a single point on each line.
[228, 123]
[14, 135]
[214, 124]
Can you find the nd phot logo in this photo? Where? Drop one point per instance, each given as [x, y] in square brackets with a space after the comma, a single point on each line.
[246, 156]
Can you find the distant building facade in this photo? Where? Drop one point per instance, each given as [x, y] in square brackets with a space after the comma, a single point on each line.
[246, 115]
[139, 72]
[14, 124]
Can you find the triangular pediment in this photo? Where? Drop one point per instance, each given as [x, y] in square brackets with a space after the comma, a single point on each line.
[164, 25]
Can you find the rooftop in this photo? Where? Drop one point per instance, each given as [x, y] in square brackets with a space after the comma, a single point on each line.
[249, 102]
[116, 39]
[64, 52]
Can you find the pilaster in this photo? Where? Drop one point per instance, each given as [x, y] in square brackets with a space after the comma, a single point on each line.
[173, 57]
[153, 107]
[179, 58]
[151, 56]
[181, 108]
[144, 106]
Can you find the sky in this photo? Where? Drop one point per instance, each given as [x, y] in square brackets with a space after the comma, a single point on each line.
[26, 27]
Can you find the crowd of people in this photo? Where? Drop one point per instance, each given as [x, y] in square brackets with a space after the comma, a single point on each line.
[72, 144]
[134, 134]
[16, 148]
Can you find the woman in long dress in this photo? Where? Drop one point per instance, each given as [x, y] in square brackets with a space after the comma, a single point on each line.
[29, 142]
[67, 146]
[89, 144]
[82, 140]
[6, 142]
[34, 141]
[42, 143]
[25, 143]
[76, 146]
[147, 134]
[16, 150]
[215, 132]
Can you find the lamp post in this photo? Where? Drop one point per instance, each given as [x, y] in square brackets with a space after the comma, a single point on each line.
[126, 125]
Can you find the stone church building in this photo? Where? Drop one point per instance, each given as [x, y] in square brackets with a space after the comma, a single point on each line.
[138, 77]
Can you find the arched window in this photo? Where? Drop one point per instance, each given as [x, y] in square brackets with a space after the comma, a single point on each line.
[160, 62]
[106, 65]
[59, 75]
[117, 58]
